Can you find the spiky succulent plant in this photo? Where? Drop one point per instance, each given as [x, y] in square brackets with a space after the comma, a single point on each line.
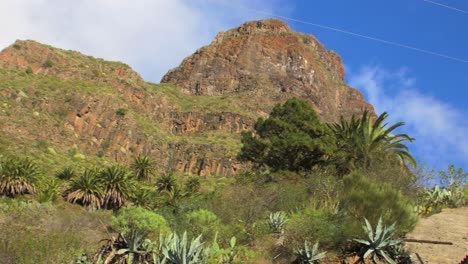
[276, 221]
[307, 255]
[178, 251]
[378, 244]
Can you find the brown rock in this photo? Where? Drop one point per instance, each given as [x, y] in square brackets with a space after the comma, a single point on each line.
[265, 63]
[227, 85]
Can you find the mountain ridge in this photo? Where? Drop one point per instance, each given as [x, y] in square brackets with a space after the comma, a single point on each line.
[67, 103]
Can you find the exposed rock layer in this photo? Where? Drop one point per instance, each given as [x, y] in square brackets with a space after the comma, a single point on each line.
[105, 108]
[266, 63]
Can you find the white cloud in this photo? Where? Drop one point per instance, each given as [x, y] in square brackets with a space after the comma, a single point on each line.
[440, 129]
[150, 35]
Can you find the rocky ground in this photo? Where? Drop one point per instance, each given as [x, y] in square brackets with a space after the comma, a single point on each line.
[451, 225]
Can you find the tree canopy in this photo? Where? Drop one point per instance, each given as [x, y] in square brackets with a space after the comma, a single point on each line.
[367, 139]
[291, 138]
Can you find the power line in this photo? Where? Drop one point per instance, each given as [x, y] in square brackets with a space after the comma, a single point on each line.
[360, 35]
[446, 6]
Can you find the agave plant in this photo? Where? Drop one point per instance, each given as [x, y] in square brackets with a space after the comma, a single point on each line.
[379, 244]
[307, 255]
[143, 167]
[118, 186]
[18, 176]
[276, 222]
[178, 251]
[86, 190]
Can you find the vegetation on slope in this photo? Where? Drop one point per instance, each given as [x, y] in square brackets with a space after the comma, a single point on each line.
[267, 214]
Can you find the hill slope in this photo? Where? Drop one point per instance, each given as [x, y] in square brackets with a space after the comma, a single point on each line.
[63, 107]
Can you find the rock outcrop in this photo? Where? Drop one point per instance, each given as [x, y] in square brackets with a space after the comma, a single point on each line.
[265, 63]
[191, 122]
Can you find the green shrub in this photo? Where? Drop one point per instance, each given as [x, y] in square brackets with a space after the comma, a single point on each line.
[29, 70]
[105, 143]
[192, 185]
[313, 225]
[363, 197]
[135, 223]
[203, 222]
[48, 63]
[66, 174]
[48, 191]
[121, 112]
[144, 197]
[35, 233]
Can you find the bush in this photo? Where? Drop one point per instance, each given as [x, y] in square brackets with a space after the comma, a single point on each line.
[203, 222]
[192, 185]
[48, 63]
[41, 234]
[66, 174]
[363, 197]
[138, 223]
[312, 225]
[121, 112]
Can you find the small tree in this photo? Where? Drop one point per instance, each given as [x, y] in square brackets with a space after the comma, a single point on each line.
[453, 178]
[136, 226]
[166, 183]
[118, 186]
[292, 138]
[363, 140]
[143, 167]
[18, 176]
[86, 190]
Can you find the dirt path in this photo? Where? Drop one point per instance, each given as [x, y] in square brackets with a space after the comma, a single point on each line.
[450, 225]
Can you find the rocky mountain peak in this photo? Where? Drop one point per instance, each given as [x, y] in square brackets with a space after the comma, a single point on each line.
[265, 62]
[39, 58]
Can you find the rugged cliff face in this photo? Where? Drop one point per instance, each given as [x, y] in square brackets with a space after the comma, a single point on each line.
[55, 104]
[266, 62]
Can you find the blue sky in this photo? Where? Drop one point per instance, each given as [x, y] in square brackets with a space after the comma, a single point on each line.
[427, 92]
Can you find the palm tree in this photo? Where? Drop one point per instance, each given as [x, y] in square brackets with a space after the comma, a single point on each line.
[18, 176]
[363, 140]
[143, 198]
[165, 183]
[86, 190]
[118, 184]
[143, 167]
[66, 173]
